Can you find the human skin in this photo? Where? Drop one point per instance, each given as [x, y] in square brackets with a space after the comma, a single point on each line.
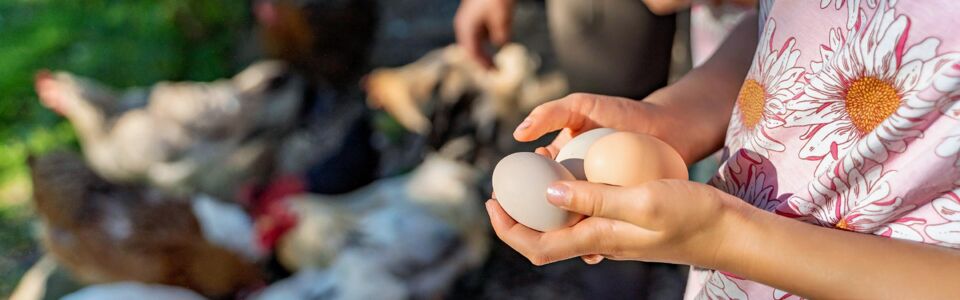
[664, 7]
[480, 21]
[690, 223]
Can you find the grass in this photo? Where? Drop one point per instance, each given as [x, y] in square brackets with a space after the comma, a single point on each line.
[17, 248]
[119, 42]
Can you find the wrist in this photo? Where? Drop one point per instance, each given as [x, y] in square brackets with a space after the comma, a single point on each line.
[739, 230]
[662, 121]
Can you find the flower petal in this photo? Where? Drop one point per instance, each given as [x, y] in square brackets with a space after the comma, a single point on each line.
[947, 208]
[947, 233]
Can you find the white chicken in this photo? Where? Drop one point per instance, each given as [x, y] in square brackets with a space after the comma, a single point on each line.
[133, 290]
[181, 136]
[418, 232]
[446, 75]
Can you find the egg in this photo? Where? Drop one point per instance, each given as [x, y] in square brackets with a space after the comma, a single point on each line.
[627, 159]
[572, 154]
[520, 181]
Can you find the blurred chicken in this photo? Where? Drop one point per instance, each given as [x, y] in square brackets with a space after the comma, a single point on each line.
[445, 76]
[184, 137]
[105, 233]
[353, 275]
[133, 290]
[44, 280]
[422, 230]
[328, 40]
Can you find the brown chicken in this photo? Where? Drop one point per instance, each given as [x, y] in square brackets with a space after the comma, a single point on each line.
[104, 232]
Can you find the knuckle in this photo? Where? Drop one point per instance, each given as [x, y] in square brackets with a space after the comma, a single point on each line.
[538, 260]
[583, 104]
[607, 241]
[648, 200]
[577, 97]
[596, 204]
[539, 109]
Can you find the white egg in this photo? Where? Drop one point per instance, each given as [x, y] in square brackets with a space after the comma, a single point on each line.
[520, 181]
[572, 154]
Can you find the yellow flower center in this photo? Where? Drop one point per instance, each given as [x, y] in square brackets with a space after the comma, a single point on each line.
[842, 225]
[751, 101]
[869, 102]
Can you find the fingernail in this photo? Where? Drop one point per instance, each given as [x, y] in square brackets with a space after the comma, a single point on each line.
[559, 195]
[526, 123]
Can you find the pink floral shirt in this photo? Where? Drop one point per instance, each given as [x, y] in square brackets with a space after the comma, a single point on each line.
[849, 118]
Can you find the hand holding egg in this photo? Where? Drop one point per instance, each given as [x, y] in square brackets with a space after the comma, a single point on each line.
[600, 155]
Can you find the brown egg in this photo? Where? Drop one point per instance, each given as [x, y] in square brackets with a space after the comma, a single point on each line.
[628, 159]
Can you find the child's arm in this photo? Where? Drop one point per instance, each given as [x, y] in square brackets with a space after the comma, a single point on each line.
[823, 263]
[690, 223]
[700, 103]
[691, 115]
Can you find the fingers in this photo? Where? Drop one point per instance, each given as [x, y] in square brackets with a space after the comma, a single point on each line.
[580, 112]
[567, 112]
[592, 259]
[470, 39]
[599, 200]
[499, 217]
[500, 27]
[470, 32]
[562, 138]
[543, 248]
[545, 152]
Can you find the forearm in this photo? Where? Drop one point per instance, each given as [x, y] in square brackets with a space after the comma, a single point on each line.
[821, 263]
[698, 106]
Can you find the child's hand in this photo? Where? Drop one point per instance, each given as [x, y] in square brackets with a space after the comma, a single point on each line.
[577, 113]
[666, 221]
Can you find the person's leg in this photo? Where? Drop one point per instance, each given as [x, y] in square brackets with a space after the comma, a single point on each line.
[612, 47]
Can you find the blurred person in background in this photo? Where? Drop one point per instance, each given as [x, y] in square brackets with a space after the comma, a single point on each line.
[613, 47]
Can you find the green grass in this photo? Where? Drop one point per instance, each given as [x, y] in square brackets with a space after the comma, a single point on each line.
[119, 42]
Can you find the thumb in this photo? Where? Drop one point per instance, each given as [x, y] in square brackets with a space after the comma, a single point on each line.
[592, 199]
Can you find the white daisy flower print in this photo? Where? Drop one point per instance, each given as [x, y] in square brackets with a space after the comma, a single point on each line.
[950, 148]
[948, 207]
[774, 79]
[859, 202]
[861, 100]
[902, 229]
[852, 8]
[719, 286]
